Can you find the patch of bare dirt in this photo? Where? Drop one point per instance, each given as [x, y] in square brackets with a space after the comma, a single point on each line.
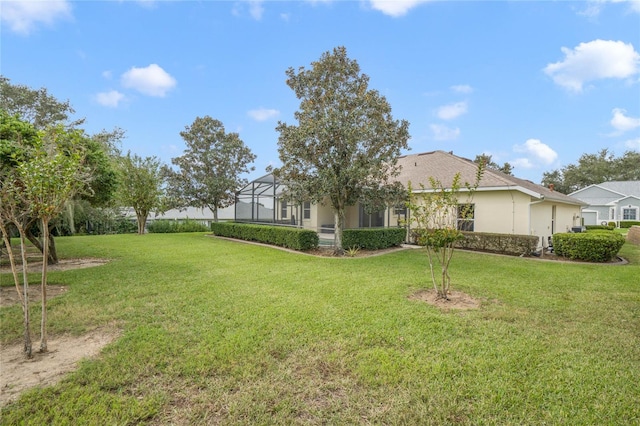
[457, 300]
[62, 265]
[45, 369]
[9, 295]
[17, 373]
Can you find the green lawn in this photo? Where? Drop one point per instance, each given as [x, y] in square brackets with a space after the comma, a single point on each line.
[223, 332]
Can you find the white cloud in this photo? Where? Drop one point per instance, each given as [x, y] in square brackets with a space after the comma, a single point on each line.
[462, 88]
[623, 123]
[594, 60]
[535, 150]
[110, 99]
[23, 16]
[107, 75]
[263, 114]
[522, 163]
[633, 144]
[395, 8]
[594, 7]
[256, 10]
[444, 133]
[152, 80]
[451, 111]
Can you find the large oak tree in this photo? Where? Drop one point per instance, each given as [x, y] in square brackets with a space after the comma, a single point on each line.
[345, 146]
[208, 172]
[593, 169]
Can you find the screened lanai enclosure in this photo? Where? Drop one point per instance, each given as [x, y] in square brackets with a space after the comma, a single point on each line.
[261, 202]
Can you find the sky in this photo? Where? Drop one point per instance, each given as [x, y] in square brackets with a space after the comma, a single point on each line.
[533, 83]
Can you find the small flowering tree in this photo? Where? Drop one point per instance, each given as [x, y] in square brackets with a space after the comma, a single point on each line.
[52, 175]
[438, 215]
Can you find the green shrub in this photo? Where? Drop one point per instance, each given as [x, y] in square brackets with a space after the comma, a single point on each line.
[588, 246]
[293, 238]
[629, 223]
[499, 243]
[166, 226]
[373, 238]
[601, 227]
[612, 225]
[125, 226]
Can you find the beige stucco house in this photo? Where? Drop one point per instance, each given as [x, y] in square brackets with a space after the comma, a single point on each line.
[501, 204]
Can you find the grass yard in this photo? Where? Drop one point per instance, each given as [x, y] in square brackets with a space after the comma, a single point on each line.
[221, 332]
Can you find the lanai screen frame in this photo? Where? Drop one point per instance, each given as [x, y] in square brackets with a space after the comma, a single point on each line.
[264, 192]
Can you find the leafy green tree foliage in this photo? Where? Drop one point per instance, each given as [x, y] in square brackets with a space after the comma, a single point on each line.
[43, 110]
[16, 139]
[488, 162]
[438, 214]
[209, 170]
[141, 186]
[345, 146]
[592, 169]
[37, 107]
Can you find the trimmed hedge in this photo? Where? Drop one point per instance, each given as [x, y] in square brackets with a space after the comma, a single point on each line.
[167, 226]
[517, 245]
[588, 246]
[373, 238]
[603, 227]
[629, 223]
[293, 238]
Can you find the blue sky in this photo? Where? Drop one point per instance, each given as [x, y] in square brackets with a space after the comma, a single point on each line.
[536, 84]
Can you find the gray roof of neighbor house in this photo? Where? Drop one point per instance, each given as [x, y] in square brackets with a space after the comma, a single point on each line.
[627, 187]
[441, 165]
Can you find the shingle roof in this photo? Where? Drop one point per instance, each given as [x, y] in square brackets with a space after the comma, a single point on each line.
[627, 187]
[441, 165]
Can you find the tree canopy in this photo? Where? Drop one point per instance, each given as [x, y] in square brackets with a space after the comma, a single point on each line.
[345, 146]
[141, 186]
[209, 170]
[591, 169]
[487, 161]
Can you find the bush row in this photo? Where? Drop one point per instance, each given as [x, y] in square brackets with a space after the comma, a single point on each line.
[629, 223]
[166, 226]
[373, 238]
[605, 227]
[588, 246]
[499, 243]
[293, 238]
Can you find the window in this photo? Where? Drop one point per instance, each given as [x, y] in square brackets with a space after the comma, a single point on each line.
[306, 210]
[630, 213]
[466, 217]
[283, 209]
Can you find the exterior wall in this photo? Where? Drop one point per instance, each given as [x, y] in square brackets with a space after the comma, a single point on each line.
[503, 212]
[566, 216]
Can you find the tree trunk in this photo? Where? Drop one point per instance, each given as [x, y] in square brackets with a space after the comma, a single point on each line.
[142, 221]
[23, 296]
[339, 226]
[38, 244]
[28, 345]
[43, 286]
[215, 214]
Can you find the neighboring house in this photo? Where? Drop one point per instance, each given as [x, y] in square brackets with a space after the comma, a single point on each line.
[501, 204]
[203, 216]
[610, 202]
